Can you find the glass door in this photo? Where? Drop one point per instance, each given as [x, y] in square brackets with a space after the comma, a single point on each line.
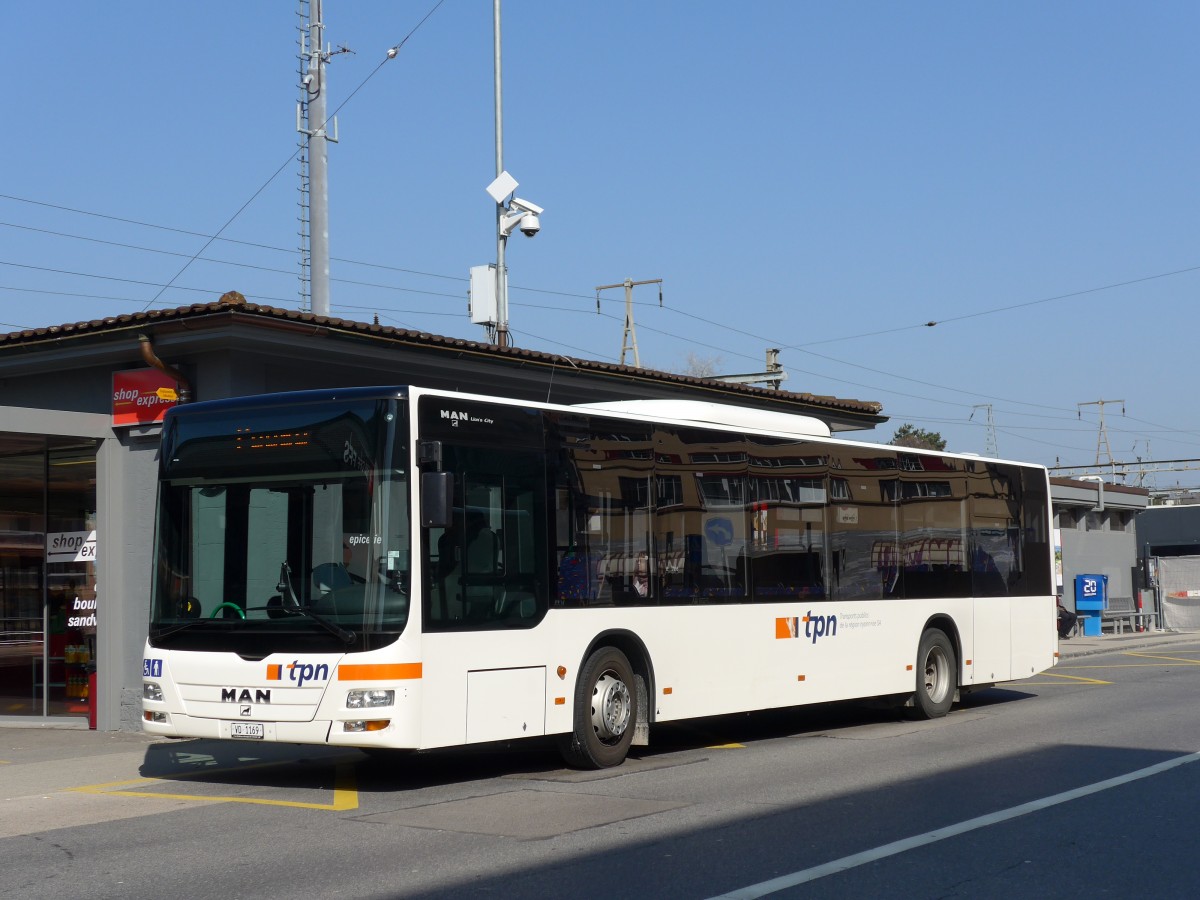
[70, 555]
[47, 574]
[22, 574]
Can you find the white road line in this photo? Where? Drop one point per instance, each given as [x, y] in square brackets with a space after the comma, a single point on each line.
[764, 888]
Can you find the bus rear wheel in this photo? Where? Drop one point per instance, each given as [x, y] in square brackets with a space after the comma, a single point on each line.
[605, 712]
[937, 676]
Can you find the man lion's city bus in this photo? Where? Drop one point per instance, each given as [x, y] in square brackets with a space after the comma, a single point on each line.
[408, 568]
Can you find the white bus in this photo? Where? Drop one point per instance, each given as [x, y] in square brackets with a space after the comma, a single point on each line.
[407, 568]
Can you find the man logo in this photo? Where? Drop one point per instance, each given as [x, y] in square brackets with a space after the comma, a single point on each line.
[243, 695]
[245, 710]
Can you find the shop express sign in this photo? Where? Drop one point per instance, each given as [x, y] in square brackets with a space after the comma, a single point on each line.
[142, 396]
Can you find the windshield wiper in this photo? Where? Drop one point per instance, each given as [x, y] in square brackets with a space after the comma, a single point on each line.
[178, 628]
[291, 605]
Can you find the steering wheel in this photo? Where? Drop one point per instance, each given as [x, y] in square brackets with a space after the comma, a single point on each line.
[241, 613]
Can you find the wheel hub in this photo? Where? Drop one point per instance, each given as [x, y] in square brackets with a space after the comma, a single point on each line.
[937, 675]
[610, 707]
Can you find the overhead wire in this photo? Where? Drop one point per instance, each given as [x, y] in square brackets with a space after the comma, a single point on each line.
[1163, 430]
[589, 298]
[292, 251]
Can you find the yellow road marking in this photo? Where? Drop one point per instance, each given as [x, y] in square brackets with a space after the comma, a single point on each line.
[726, 747]
[1190, 662]
[345, 791]
[1078, 678]
[1130, 666]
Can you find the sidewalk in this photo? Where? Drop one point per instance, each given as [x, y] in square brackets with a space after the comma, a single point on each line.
[1080, 645]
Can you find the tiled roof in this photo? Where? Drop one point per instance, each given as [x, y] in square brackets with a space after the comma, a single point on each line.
[232, 305]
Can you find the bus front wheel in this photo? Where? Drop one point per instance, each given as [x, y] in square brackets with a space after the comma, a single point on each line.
[605, 712]
[937, 676]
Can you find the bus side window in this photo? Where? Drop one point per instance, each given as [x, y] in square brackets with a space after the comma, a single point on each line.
[488, 570]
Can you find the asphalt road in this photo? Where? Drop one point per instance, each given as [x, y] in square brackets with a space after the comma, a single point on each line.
[1075, 783]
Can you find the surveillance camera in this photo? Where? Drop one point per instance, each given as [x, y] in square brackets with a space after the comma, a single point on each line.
[525, 206]
[520, 214]
[530, 225]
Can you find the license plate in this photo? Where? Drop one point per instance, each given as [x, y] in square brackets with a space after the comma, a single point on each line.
[251, 731]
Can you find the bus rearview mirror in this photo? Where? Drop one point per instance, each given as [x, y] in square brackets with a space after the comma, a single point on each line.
[437, 499]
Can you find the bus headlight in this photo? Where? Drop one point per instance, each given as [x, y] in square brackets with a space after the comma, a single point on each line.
[151, 691]
[366, 725]
[367, 699]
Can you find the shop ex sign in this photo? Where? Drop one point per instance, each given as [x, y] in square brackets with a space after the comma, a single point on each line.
[142, 396]
[70, 546]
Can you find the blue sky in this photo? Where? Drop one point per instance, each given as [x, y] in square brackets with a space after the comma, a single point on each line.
[819, 177]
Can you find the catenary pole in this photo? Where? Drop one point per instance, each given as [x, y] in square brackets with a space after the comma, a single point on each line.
[318, 166]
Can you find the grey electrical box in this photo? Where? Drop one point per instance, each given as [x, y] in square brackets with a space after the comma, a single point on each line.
[481, 301]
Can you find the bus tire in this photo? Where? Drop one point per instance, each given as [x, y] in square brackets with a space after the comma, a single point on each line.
[605, 712]
[937, 676]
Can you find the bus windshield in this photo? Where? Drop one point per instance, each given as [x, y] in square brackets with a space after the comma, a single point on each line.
[283, 528]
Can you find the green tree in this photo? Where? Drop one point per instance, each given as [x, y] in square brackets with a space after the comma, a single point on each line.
[911, 436]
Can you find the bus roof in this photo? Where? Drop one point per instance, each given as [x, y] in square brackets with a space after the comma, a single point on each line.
[714, 414]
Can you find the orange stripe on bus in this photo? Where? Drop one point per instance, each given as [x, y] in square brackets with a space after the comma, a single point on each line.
[379, 672]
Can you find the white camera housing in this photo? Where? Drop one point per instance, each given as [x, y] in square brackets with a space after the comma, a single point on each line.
[525, 206]
[521, 215]
[529, 225]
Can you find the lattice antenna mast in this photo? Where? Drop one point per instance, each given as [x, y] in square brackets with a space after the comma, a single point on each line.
[1102, 437]
[990, 449]
[311, 121]
[303, 199]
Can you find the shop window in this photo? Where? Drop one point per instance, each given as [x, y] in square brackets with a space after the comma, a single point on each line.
[48, 611]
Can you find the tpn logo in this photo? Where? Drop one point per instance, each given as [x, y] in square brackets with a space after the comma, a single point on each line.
[809, 626]
[298, 672]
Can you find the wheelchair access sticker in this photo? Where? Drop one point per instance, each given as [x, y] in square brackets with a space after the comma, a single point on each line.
[152, 668]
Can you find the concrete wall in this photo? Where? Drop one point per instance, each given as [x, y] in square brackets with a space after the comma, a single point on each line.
[1111, 553]
[126, 472]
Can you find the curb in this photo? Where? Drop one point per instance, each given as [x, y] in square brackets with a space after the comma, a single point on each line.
[63, 723]
[1158, 639]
